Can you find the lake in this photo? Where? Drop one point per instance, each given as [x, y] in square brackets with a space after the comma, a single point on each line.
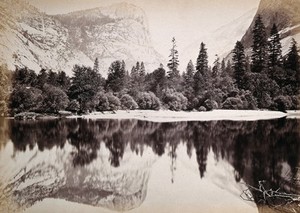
[85, 165]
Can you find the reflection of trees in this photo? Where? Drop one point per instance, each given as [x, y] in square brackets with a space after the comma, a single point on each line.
[258, 150]
[44, 134]
[4, 132]
[85, 141]
[116, 146]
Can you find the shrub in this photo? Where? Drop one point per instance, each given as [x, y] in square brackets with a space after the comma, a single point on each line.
[232, 103]
[202, 109]
[147, 100]
[282, 103]
[249, 101]
[103, 103]
[114, 102]
[210, 104]
[295, 102]
[73, 106]
[174, 100]
[108, 102]
[128, 103]
[25, 98]
[55, 99]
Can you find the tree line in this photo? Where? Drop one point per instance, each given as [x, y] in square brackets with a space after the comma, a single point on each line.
[267, 79]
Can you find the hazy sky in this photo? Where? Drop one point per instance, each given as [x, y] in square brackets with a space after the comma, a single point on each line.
[187, 20]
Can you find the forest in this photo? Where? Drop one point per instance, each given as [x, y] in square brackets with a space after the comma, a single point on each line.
[266, 79]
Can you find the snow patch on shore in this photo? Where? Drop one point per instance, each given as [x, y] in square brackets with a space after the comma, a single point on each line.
[171, 116]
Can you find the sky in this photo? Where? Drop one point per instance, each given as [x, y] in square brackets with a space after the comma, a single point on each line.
[186, 20]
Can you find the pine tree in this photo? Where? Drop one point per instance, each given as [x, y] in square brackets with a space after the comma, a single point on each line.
[63, 81]
[52, 78]
[259, 47]
[239, 64]
[201, 77]
[292, 63]
[228, 68]
[216, 67]
[292, 59]
[223, 66]
[142, 74]
[189, 77]
[116, 76]
[173, 73]
[188, 83]
[96, 65]
[42, 78]
[142, 71]
[274, 49]
[202, 60]
[86, 83]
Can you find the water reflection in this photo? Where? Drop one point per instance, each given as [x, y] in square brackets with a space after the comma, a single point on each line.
[103, 162]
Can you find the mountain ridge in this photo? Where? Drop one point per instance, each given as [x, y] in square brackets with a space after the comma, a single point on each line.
[36, 40]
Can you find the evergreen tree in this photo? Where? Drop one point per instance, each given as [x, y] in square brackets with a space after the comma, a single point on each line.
[223, 66]
[156, 81]
[188, 83]
[259, 47]
[202, 60]
[63, 81]
[116, 76]
[86, 83]
[189, 77]
[24, 76]
[292, 64]
[274, 49]
[216, 67]
[52, 78]
[228, 68]
[173, 73]
[201, 77]
[42, 78]
[134, 73]
[239, 64]
[292, 59]
[96, 65]
[142, 74]
[142, 71]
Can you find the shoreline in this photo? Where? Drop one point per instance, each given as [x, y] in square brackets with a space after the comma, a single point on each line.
[173, 116]
[177, 116]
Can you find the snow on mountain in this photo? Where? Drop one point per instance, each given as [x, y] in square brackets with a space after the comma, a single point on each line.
[220, 41]
[34, 39]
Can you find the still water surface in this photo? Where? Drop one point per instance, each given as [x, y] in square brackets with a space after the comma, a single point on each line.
[79, 165]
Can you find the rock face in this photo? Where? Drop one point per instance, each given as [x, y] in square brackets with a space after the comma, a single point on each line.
[285, 14]
[222, 40]
[34, 39]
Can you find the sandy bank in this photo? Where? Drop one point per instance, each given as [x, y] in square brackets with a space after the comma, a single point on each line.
[171, 116]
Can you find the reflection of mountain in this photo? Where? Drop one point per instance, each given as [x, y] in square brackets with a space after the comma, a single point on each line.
[102, 162]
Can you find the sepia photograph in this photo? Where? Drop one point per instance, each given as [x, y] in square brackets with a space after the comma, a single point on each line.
[139, 106]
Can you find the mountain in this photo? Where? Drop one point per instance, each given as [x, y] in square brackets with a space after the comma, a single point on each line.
[285, 14]
[34, 39]
[221, 40]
